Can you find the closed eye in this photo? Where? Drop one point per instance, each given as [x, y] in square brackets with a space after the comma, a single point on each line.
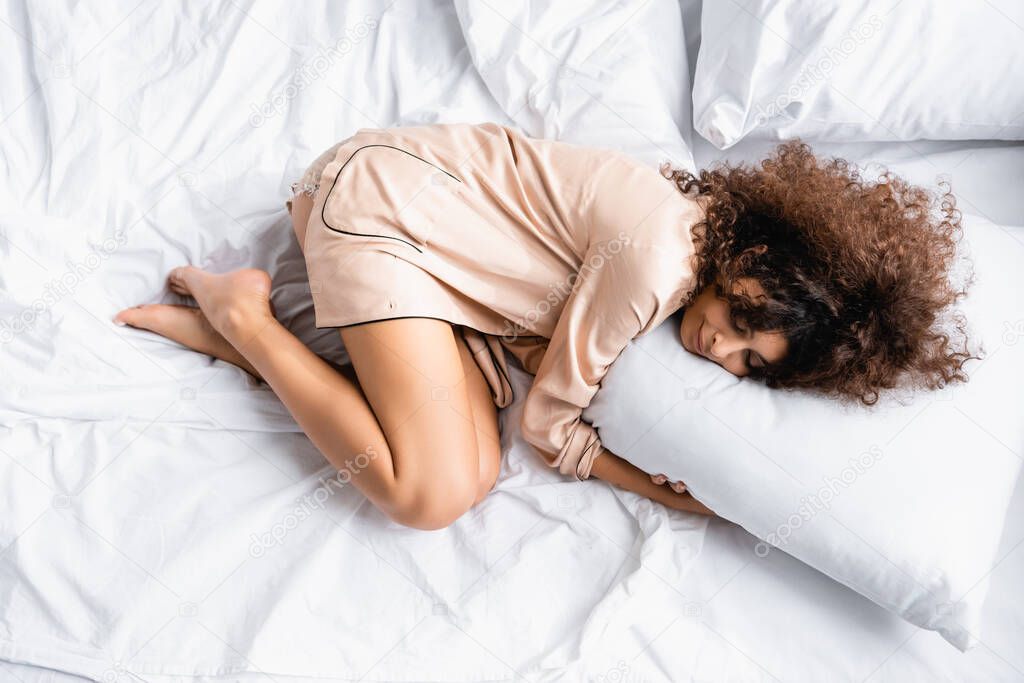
[753, 360]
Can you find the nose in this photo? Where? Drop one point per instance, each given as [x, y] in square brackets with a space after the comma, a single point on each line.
[723, 345]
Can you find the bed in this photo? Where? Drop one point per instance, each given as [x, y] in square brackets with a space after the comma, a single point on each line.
[162, 516]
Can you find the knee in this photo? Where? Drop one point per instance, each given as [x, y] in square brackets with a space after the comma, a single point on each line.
[434, 506]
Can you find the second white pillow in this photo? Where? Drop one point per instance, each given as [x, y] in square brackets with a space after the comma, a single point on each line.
[881, 70]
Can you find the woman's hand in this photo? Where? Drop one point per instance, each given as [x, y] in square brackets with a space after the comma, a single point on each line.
[661, 480]
[618, 472]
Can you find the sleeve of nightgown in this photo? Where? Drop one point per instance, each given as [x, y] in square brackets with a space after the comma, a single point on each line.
[625, 288]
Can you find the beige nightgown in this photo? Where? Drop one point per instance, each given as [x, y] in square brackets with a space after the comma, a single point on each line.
[558, 253]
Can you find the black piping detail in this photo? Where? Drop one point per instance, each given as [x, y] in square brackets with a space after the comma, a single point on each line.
[323, 209]
[377, 320]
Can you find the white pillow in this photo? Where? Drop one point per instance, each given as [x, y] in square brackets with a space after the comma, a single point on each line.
[604, 74]
[882, 70]
[904, 504]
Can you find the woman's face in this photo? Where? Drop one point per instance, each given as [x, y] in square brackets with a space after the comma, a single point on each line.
[707, 331]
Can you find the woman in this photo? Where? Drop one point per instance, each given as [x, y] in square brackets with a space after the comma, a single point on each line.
[435, 249]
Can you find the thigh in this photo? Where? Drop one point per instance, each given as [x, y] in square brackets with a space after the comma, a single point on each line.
[412, 373]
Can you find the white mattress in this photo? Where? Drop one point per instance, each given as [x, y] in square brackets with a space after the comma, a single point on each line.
[135, 475]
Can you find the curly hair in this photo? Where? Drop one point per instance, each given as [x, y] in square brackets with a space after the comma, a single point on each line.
[854, 271]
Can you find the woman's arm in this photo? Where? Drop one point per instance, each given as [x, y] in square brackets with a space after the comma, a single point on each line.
[629, 290]
[614, 470]
[638, 267]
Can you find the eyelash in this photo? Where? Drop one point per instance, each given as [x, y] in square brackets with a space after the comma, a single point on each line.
[752, 369]
[739, 328]
[742, 329]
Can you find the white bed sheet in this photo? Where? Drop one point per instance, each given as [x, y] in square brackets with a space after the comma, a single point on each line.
[138, 478]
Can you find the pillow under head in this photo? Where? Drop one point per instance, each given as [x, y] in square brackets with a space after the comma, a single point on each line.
[904, 502]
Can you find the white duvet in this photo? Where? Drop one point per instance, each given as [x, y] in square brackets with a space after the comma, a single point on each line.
[161, 513]
[162, 517]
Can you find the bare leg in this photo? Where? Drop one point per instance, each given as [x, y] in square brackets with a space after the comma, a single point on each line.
[188, 326]
[429, 466]
[428, 460]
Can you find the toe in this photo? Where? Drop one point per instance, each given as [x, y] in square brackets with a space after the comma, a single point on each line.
[177, 287]
[184, 324]
[169, 320]
[151, 317]
[184, 279]
[127, 316]
[174, 280]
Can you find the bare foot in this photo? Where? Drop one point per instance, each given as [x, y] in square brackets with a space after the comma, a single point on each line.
[237, 304]
[186, 325]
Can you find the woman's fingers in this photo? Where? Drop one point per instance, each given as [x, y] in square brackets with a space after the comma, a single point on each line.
[677, 486]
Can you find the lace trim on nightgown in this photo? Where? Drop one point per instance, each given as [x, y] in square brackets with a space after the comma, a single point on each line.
[308, 189]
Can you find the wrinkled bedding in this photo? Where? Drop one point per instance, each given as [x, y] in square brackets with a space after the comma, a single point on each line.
[161, 515]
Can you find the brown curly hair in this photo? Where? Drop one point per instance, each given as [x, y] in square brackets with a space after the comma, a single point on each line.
[854, 271]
